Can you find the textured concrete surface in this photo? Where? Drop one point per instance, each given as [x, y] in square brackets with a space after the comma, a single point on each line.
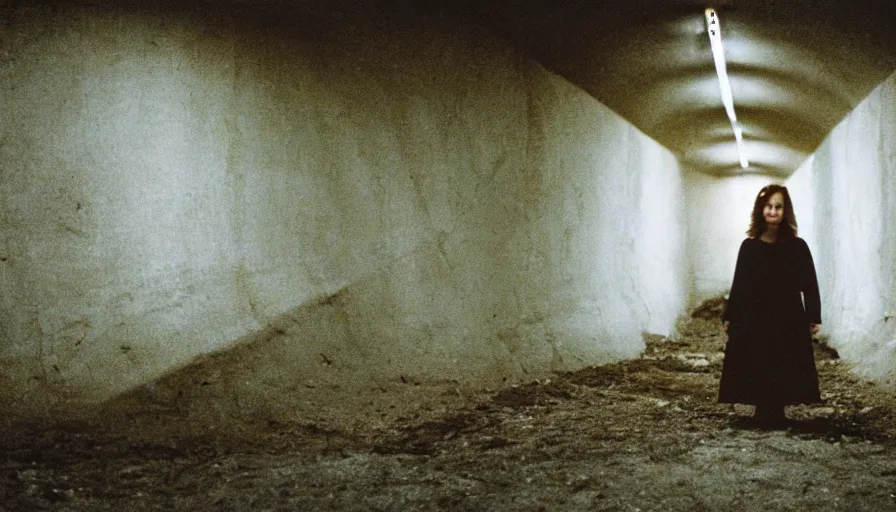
[364, 197]
[852, 178]
[373, 200]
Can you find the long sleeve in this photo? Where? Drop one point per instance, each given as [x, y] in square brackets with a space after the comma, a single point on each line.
[734, 307]
[809, 287]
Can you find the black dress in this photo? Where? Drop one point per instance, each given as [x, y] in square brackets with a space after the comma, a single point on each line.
[769, 357]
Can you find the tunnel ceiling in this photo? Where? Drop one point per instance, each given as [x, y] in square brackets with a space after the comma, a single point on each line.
[796, 67]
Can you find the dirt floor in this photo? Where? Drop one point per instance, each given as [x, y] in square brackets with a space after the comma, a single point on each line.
[640, 435]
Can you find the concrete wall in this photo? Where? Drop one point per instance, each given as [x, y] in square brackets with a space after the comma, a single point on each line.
[852, 223]
[402, 199]
[661, 250]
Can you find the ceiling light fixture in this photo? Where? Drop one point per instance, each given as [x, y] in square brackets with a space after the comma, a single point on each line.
[718, 56]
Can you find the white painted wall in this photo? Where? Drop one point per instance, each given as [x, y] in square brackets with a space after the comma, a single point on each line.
[661, 238]
[852, 222]
[398, 200]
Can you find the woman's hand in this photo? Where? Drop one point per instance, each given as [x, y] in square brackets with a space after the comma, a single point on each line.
[814, 328]
[725, 325]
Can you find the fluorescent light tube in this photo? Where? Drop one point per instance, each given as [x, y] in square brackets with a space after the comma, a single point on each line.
[714, 30]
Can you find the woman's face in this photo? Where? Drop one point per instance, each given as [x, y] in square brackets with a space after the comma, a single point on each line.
[773, 212]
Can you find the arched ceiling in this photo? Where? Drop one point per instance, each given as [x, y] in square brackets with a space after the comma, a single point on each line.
[796, 68]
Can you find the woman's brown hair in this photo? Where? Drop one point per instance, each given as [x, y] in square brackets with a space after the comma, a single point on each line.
[788, 228]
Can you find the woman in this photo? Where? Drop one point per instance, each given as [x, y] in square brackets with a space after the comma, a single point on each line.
[769, 360]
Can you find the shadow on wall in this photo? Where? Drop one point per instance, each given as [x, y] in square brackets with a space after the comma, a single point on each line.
[305, 365]
[309, 162]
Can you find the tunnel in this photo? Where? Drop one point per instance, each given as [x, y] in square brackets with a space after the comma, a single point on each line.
[405, 255]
